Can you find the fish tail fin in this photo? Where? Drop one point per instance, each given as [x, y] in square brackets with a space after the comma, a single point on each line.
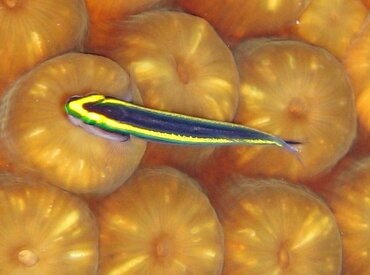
[293, 147]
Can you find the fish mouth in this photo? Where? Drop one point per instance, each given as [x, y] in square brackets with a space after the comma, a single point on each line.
[92, 129]
[73, 98]
[77, 97]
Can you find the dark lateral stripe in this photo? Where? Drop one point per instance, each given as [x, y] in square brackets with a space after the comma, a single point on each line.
[179, 125]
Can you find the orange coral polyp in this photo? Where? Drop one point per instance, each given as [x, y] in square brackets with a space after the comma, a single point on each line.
[45, 230]
[357, 63]
[357, 60]
[180, 64]
[331, 24]
[238, 19]
[33, 31]
[10, 3]
[156, 220]
[299, 92]
[117, 9]
[273, 227]
[39, 137]
[367, 3]
[348, 196]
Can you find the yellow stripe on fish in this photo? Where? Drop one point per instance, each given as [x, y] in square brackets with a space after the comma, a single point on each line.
[117, 119]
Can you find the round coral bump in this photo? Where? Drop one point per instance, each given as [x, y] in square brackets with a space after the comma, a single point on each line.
[238, 19]
[159, 222]
[367, 3]
[104, 15]
[118, 9]
[272, 227]
[5, 163]
[349, 198]
[44, 230]
[331, 24]
[185, 158]
[298, 92]
[363, 112]
[357, 60]
[33, 31]
[358, 66]
[39, 137]
[180, 65]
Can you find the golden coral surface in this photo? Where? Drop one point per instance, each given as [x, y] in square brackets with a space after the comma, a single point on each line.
[272, 227]
[331, 24]
[237, 19]
[33, 117]
[287, 89]
[159, 222]
[44, 230]
[349, 198]
[179, 64]
[31, 31]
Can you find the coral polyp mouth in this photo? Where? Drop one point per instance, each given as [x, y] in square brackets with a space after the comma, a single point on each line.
[78, 97]
[11, 3]
[183, 74]
[73, 98]
[27, 258]
[75, 112]
[163, 247]
[298, 107]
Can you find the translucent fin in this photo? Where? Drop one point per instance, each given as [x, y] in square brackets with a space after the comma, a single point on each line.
[97, 131]
[293, 147]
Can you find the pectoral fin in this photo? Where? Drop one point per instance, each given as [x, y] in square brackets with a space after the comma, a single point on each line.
[99, 132]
